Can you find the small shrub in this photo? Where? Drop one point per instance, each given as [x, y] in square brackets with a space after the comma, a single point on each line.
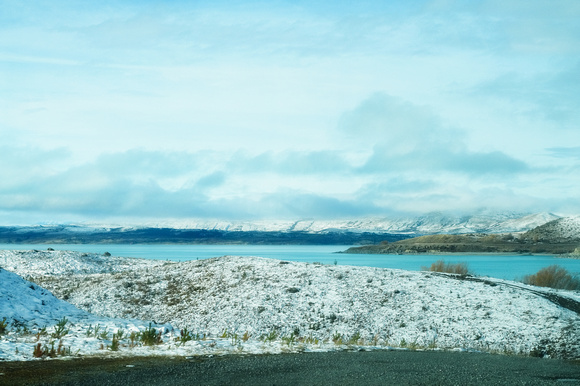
[60, 329]
[133, 337]
[62, 350]
[441, 266]
[3, 326]
[114, 343]
[310, 340]
[289, 340]
[104, 335]
[120, 333]
[150, 336]
[235, 339]
[38, 352]
[49, 352]
[184, 336]
[355, 339]
[270, 337]
[41, 332]
[554, 276]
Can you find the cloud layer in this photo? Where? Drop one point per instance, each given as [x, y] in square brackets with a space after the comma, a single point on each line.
[287, 110]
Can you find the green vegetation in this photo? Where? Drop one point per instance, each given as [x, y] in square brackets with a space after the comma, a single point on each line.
[554, 276]
[60, 329]
[289, 340]
[115, 343]
[184, 336]
[103, 335]
[270, 337]
[3, 326]
[150, 336]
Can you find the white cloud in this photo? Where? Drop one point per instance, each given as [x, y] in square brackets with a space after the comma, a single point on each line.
[199, 109]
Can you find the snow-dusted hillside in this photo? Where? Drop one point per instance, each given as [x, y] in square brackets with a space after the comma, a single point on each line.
[29, 315]
[27, 303]
[563, 230]
[426, 224]
[29, 263]
[251, 304]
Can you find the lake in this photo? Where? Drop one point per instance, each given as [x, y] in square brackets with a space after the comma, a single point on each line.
[500, 266]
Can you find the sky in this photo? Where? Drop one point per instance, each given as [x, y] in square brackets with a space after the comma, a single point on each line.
[144, 110]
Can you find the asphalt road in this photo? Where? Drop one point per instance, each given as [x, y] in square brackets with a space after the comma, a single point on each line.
[333, 368]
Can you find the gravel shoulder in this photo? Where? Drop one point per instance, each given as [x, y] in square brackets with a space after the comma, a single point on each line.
[331, 368]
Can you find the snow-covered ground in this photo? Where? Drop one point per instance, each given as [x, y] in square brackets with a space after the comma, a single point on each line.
[236, 304]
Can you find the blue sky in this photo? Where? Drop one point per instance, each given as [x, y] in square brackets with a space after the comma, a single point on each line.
[140, 110]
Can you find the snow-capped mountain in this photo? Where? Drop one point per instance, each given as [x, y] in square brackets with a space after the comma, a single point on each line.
[427, 224]
[313, 232]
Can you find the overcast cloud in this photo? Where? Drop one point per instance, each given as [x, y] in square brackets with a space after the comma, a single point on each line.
[129, 111]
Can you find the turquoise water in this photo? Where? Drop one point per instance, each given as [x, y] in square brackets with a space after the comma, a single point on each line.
[500, 266]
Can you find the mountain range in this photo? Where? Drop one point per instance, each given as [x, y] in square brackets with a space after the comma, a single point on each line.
[345, 232]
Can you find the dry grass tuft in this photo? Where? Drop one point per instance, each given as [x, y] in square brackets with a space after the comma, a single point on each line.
[554, 276]
[441, 266]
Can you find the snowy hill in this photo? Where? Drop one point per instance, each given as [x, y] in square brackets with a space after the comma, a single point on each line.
[26, 303]
[254, 305]
[30, 316]
[29, 263]
[563, 230]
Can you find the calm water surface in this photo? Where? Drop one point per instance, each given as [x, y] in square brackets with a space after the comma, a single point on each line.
[500, 266]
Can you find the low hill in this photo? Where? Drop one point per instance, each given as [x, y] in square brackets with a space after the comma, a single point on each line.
[235, 304]
[563, 230]
[561, 236]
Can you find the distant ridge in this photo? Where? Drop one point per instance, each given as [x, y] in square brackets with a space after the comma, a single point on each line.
[431, 223]
[341, 232]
